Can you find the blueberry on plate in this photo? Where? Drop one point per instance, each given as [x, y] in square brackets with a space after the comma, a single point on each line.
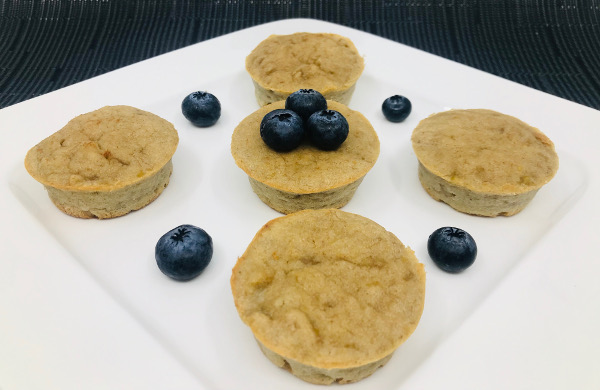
[452, 249]
[396, 108]
[203, 109]
[282, 130]
[305, 102]
[184, 252]
[327, 129]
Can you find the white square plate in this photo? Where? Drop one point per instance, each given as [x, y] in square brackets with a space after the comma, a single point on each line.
[83, 305]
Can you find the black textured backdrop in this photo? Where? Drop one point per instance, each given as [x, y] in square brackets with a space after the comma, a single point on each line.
[550, 45]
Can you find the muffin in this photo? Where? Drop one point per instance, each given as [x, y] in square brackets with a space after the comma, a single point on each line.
[482, 162]
[105, 163]
[282, 64]
[328, 295]
[306, 177]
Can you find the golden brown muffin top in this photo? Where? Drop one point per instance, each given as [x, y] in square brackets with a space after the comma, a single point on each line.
[329, 289]
[105, 149]
[485, 151]
[321, 61]
[306, 169]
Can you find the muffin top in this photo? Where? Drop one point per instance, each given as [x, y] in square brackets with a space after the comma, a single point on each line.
[105, 149]
[328, 288]
[321, 61]
[485, 151]
[306, 169]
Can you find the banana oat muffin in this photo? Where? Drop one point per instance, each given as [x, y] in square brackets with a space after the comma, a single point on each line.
[282, 64]
[105, 163]
[328, 295]
[306, 177]
[482, 162]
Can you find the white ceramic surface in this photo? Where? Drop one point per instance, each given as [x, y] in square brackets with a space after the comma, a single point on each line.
[83, 305]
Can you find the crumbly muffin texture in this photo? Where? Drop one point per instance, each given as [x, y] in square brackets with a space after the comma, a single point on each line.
[330, 291]
[105, 163]
[481, 161]
[282, 64]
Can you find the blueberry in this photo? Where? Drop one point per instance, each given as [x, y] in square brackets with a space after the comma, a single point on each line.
[327, 129]
[203, 109]
[305, 102]
[184, 252]
[452, 249]
[282, 130]
[396, 108]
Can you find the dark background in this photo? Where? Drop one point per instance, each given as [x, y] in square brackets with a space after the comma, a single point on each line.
[550, 45]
